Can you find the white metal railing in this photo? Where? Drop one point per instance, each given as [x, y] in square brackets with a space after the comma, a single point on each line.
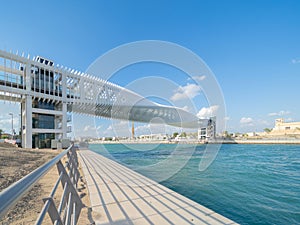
[70, 205]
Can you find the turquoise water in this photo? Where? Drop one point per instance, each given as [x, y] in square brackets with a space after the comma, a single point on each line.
[250, 184]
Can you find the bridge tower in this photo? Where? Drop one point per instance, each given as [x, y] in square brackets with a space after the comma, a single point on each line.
[42, 120]
[132, 130]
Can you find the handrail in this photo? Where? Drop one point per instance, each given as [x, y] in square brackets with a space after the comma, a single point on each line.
[10, 195]
[70, 205]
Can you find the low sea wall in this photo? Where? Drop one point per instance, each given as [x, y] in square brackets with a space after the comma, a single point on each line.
[226, 141]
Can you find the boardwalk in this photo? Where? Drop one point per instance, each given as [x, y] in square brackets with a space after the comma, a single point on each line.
[121, 196]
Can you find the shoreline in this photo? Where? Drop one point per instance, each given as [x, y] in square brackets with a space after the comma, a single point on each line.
[236, 141]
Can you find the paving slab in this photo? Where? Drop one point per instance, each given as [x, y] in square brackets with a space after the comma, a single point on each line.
[120, 195]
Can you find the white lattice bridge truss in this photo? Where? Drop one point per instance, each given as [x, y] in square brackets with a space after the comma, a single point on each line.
[47, 89]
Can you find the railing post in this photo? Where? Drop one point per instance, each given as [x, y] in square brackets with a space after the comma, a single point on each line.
[69, 183]
[52, 211]
[70, 205]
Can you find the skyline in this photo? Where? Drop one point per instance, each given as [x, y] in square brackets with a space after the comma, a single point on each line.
[251, 47]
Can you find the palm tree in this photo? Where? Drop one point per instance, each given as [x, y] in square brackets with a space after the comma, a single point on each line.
[1, 132]
[267, 130]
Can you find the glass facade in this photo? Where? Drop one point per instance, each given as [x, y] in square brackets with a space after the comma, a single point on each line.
[43, 121]
[42, 80]
[43, 105]
[42, 140]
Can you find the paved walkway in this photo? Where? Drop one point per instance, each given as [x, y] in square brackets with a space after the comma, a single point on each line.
[121, 196]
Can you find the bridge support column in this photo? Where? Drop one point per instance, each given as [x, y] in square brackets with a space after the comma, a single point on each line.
[27, 122]
[64, 120]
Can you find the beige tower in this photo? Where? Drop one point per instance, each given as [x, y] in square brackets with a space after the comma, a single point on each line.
[132, 130]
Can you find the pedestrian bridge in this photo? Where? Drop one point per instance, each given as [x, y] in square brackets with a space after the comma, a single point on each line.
[44, 88]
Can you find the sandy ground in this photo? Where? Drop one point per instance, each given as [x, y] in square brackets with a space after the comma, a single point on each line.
[16, 163]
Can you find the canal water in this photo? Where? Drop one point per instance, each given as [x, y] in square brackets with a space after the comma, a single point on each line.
[250, 184]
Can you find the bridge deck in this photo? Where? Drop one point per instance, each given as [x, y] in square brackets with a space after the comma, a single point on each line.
[121, 196]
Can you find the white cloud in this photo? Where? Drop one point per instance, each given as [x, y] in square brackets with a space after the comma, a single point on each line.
[6, 119]
[265, 122]
[150, 129]
[5, 124]
[186, 108]
[198, 78]
[280, 113]
[246, 121]
[295, 61]
[119, 129]
[155, 129]
[184, 92]
[88, 128]
[289, 119]
[143, 128]
[226, 118]
[87, 131]
[208, 112]
[110, 128]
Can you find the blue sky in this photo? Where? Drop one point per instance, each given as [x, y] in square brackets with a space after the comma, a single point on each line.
[251, 46]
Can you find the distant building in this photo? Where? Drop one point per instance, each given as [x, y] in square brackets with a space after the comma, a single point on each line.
[280, 125]
[157, 137]
[283, 128]
[207, 129]
[6, 136]
[251, 134]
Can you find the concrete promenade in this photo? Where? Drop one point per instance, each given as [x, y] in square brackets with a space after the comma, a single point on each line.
[121, 196]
